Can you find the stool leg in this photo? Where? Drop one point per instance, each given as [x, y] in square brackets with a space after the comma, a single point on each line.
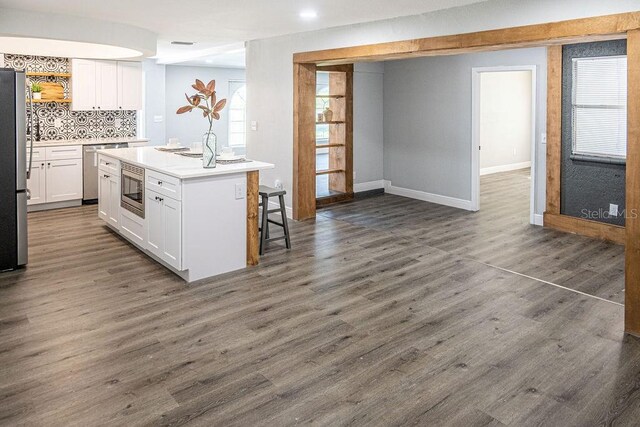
[266, 204]
[265, 229]
[283, 212]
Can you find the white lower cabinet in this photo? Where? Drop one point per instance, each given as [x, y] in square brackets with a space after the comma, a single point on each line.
[64, 180]
[56, 175]
[37, 184]
[164, 228]
[109, 198]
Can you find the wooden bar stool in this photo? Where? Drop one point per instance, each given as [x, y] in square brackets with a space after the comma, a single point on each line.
[266, 192]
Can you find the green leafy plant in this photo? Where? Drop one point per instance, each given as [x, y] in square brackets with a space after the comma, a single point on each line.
[36, 88]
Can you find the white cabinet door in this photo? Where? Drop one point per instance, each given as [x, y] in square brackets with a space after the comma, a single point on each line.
[114, 201]
[164, 228]
[153, 215]
[83, 85]
[171, 224]
[129, 85]
[64, 180]
[37, 183]
[106, 86]
[104, 196]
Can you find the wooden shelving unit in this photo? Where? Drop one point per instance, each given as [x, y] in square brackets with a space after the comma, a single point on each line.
[43, 101]
[339, 173]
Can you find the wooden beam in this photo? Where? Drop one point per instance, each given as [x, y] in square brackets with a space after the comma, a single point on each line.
[253, 240]
[304, 141]
[632, 197]
[585, 227]
[554, 127]
[585, 29]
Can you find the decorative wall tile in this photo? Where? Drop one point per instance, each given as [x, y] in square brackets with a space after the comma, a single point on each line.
[72, 124]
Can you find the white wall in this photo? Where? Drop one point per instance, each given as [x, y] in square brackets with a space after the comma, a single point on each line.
[190, 127]
[427, 120]
[505, 120]
[368, 133]
[270, 69]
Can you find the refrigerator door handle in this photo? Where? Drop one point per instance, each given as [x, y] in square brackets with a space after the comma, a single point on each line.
[31, 114]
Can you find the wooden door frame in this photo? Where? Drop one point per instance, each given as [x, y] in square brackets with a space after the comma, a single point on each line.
[476, 95]
[552, 35]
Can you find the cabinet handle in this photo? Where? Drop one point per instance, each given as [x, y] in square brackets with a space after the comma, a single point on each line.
[42, 166]
[49, 164]
[93, 108]
[106, 176]
[159, 182]
[107, 163]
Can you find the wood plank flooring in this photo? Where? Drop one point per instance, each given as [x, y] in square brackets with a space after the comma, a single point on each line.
[384, 313]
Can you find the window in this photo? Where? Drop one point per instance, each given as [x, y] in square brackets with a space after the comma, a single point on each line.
[599, 107]
[237, 114]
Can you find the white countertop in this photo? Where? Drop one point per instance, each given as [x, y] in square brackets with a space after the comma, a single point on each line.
[178, 166]
[87, 141]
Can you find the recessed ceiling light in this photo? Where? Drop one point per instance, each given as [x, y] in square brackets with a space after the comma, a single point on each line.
[308, 14]
[209, 61]
[183, 43]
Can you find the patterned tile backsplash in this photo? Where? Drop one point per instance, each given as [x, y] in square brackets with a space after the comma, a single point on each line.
[57, 121]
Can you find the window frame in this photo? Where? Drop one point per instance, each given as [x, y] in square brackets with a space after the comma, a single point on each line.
[587, 155]
[241, 84]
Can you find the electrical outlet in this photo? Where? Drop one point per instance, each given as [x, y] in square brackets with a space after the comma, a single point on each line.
[613, 209]
[240, 191]
[157, 119]
[278, 184]
[254, 125]
[354, 175]
[543, 138]
[57, 122]
[117, 123]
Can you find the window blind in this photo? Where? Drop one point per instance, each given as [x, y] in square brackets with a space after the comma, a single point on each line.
[599, 106]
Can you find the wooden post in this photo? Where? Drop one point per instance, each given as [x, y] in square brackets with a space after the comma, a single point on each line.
[554, 127]
[632, 222]
[304, 135]
[253, 241]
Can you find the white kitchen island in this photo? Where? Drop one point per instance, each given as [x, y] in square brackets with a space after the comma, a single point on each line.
[197, 222]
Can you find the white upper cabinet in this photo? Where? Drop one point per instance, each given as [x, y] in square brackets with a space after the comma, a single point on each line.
[129, 85]
[106, 85]
[83, 85]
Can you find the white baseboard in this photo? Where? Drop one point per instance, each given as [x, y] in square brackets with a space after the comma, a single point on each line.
[428, 197]
[504, 168]
[276, 205]
[538, 219]
[54, 205]
[368, 186]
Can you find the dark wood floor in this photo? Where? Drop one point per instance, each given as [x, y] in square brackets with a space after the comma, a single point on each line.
[384, 313]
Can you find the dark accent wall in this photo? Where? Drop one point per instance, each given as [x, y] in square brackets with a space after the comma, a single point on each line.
[588, 186]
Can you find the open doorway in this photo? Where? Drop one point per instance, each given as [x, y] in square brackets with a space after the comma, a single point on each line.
[503, 120]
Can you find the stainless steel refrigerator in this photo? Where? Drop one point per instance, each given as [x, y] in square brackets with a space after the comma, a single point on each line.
[13, 170]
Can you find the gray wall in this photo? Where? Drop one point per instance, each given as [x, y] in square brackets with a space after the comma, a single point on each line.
[190, 127]
[154, 102]
[588, 186]
[270, 69]
[368, 137]
[427, 120]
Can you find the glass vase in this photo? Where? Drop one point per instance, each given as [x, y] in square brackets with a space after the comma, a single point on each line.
[209, 143]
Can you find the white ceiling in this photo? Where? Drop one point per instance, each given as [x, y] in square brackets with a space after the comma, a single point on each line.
[219, 26]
